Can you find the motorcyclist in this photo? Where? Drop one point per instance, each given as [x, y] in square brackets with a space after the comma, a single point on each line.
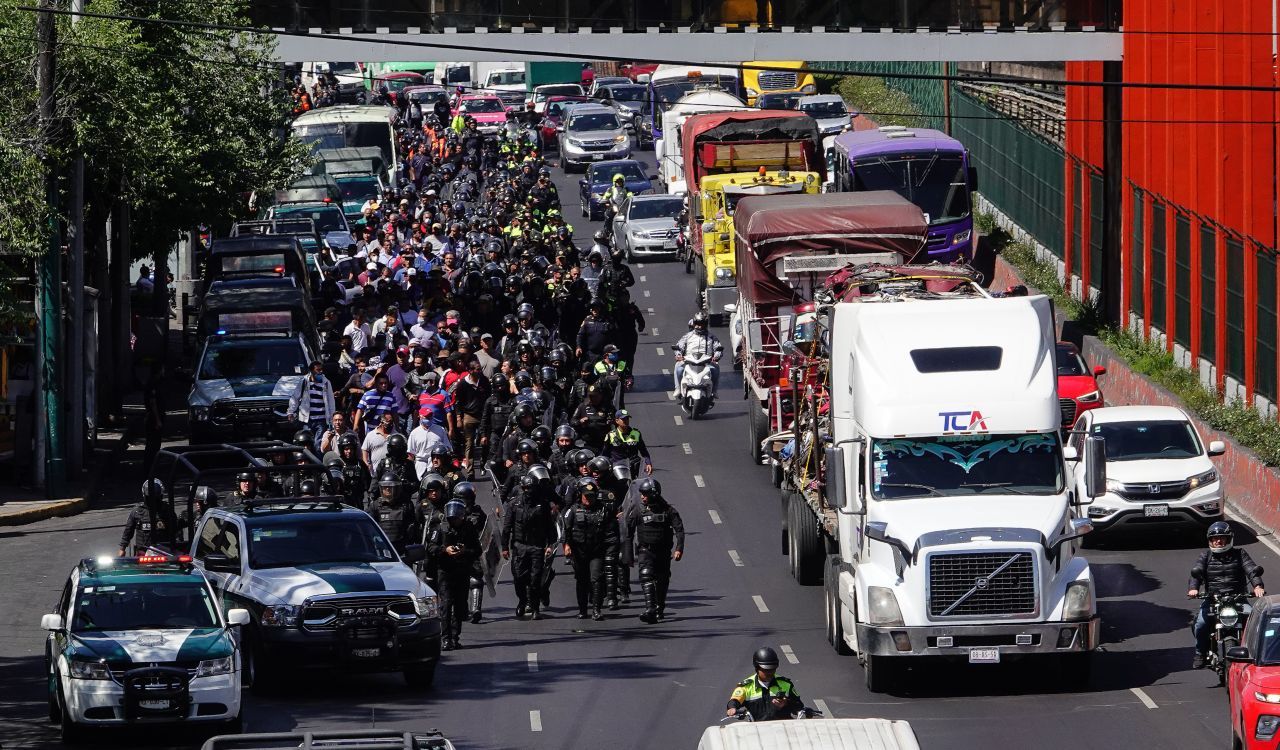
[613, 198]
[699, 342]
[765, 695]
[1221, 569]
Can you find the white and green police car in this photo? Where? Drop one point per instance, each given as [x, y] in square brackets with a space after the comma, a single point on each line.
[141, 640]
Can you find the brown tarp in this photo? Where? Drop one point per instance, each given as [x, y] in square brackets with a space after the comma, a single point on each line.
[768, 228]
[779, 126]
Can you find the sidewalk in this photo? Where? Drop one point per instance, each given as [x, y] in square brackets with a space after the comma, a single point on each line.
[20, 505]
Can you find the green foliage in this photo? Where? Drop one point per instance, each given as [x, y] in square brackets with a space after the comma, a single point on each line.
[1147, 358]
[885, 105]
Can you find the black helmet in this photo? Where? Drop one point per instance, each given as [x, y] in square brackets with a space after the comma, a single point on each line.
[523, 410]
[599, 465]
[700, 319]
[206, 496]
[348, 440]
[455, 509]
[528, 482]
[152, 490]
[539, 472]
[397, 447]
[765, 658]
[582, 457]
[509, 321]
[565, 431]
[246, 476]
[466, 492]
[541, 436]
[440, 451]
[649, 486]
[1220, 530]
[308, 487]
[388, 479]
[434, 481]
[599, 236]
[523, 378]
[527, 446]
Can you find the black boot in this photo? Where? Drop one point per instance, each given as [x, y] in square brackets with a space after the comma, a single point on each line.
[533, 596]
[650, 590]
[611, 583]
[597, 596]
[476, 603]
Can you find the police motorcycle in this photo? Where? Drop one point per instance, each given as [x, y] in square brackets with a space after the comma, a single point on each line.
[696, 392]
[1230, 613]
[744, 715]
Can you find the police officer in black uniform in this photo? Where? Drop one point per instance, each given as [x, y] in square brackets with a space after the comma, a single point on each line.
[526, 452]
[150, 522]
[479, 520]
[529, 532]
[397, 463]
[355, 475]
[496, 415]
[591, 535]
[658, 534]
[592, 418]
[453, 546]
[525, 418]
[396, 517]
[433, 493]
[202, 499]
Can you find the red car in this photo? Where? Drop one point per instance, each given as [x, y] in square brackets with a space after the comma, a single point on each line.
[1253, 680]
[552, 117]
[397, 82]
[631, 70]
[1078, 389]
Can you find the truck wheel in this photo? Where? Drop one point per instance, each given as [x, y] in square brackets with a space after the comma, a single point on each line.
[1075, 670]
[835, 625]
[258, 670]
[880, 673]
[757, 428]
[806, 548]
[775, 473]
[419, 677]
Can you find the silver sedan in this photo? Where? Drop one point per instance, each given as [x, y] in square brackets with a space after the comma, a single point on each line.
[645, 226]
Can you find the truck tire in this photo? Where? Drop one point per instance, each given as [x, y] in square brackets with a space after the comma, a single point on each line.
[835, 626]
[880, 673]
[806, 546]
[757, 428]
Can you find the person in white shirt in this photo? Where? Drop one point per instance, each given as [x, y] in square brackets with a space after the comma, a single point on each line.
[422, 331]
[427, 435]
[388, 325]
[358, 330]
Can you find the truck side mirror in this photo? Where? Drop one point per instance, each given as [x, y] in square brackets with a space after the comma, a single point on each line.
[973, 178]
[755, 336]
[833, 489]
[219, 563]
[1095, 462]
[414, 553]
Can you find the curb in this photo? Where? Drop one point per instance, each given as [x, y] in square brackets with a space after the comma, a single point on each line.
[47, 510]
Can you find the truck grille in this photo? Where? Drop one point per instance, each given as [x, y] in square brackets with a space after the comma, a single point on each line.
[982, 584]
[511, 98]
[1155, 491]
[250, 409]
[772, 80]
[330, 613]
[936, 241]
[1068, 406]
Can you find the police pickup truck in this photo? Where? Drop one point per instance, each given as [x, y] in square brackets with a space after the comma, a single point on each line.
[323, 586]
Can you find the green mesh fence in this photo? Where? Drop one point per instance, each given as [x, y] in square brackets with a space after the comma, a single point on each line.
[929, 97]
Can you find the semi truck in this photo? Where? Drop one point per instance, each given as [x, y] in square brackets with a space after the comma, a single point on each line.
[668, 146]
[925, 477]
[786, 246]
[732, 155]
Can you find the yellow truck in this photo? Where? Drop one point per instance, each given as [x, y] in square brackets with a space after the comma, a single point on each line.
[776, 77]
[717, 197]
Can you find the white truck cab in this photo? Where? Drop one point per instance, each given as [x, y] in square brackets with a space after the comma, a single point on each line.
[955, 516]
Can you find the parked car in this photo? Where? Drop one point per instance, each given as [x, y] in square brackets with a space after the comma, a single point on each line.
[399, 81]
[828, 109]
[1253, 679]
[488, 110]
[592, 133]
[646, 226]
[1158, 468]
[600, 176]
[1078, 389]
[243, 382]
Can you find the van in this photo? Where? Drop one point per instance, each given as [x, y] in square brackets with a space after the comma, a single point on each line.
[811, 734]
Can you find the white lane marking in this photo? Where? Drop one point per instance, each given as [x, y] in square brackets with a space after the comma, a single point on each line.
[535, 721]
[639, 265]
[822, 706]
[650, 310]
[661, 352]
[688, 449]
[666, 371]
[646, 292]
[533, 661]
[642, 278]
[737, 561]
[715, 517]
[655, 330]
[760, 605]
[790, 654]
[679, 420]
[698, 480]
[1142, 696]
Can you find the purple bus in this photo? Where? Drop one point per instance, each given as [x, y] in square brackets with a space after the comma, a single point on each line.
[927, 167]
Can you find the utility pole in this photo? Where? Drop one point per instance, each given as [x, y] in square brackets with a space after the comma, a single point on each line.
[75, 330]
[49, 450]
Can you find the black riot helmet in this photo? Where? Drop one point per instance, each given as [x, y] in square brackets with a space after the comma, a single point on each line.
[152, 491]
[397, 447]
[649, 487]
[566, 431]
[528, 482]
[466, 492]
[308, 488]
[526, 446]
[539, 473]
[434, 482]
[206, 496]
[247, 476]
[599, 465]
[541, 436]
[348, 440]
[523, 410]
[765, 658]
[582, 457]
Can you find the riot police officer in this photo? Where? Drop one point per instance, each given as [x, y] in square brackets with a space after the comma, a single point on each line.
[453, 546]
[396, 463]
[246, 487]
[150, 522]
[394, 516]
[355, 475]
[527, 457]
[433, 493]
[529, 532]
[202, 499]
[591, 418]
[658, 534]
[479, 520]
[591, 535]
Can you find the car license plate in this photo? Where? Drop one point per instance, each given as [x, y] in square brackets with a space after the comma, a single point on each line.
[669, 245]
[984, 656]
[597, 157]
[154, 705]
[366, 653]
[1155, 511]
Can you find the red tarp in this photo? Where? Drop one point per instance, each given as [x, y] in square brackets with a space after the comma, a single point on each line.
[768, 228]
[778, 126]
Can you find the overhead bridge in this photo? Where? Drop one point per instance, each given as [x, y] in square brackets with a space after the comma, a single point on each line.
[694, 30]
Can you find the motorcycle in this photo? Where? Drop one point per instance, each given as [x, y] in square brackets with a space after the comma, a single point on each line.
[696, 393]
[1230, 612]
[744, 715]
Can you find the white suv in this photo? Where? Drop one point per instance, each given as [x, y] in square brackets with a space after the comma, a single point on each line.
[1158, 469]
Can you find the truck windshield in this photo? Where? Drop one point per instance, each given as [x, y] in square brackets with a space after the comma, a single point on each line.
[506, 77]
[1138, 441]
[358, 188]
[238, 359]
[937, 183]
[328, 217]
[963, 465]
[294, 542]
[143, 606]
[669, 92]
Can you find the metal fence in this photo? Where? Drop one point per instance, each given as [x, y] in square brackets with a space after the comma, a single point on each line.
[928, 96]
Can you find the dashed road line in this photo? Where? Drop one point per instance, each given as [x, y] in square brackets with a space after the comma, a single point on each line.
[533, 661]
[642, 278]
[1142, 696]
[788, 652]
[535, 721]
[737, 560]
[655, 330]
[715, 517]
[822, 706]
[698, 480]
[661, 352]
[639, 265]
[666, 371]
[760, 605]
[646, 292]
[649, 310]
[688, 449]
[679, 419]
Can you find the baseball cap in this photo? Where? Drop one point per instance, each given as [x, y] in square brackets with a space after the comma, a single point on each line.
[402, 350]
[371, 266]
[484, 336]
[622, 414]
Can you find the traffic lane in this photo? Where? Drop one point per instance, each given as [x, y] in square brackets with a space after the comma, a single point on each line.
[1153, 630]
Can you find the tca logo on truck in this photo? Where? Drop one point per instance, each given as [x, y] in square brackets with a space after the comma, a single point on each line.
[970, 420]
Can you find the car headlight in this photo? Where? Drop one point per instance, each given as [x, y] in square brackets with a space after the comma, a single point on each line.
[1266, 727]
[427, 606]
[883, 606]
[752, 93]
[962, 237]
[280, 616]
[1267, 697]
[574, 142]
[724, 274]
[1077, 604]
[1228, 616]
[1092, 397]
[619, 139]
[89, 670]
[809, 88]
[640, 234]
[199, 413]
[1200, 480]
[211, 667]
[1114, 485]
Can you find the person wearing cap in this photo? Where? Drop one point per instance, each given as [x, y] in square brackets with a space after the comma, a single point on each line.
[612, 371]
[425, 437]
[435, 403]
[454, 547]
[489, 364]
[625, 443]
[595, 333]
